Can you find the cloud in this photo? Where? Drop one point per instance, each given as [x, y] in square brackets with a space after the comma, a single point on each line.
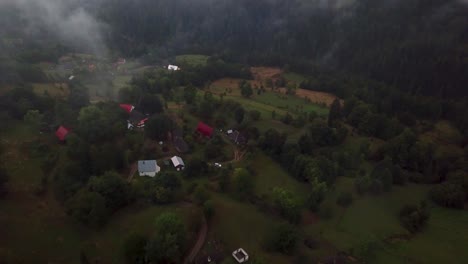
[64, 19]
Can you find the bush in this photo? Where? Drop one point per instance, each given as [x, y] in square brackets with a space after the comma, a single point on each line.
[414, 218]
[201, 195]
[282, 238]
[345, 199]
[448, 195]
[208, 209]
[134, 249]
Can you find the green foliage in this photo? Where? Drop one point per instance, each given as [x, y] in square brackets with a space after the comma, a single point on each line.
[159, 190]
[68, 179]
[208, 209]
[449, 195]
[113, 188]
[34, 118]
[168, 245]
[196, 167]
[335, 112]
[414, 218]
[159, 126]
[246, 89]
[88, 208]
[151, 104]
[213, 151]
[316, 195]
[201, 195]
[134, 249]
[272, 141]
[243, 183]
[100, 123]
[282, 238]
[239, 114]
[287, 204]
[190, 94]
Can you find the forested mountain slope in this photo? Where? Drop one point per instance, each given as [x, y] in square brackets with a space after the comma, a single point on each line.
[403, 43]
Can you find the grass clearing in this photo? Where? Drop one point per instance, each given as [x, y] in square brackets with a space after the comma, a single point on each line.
[294, 77]
[242, 225]
[369, 217]
[59, 90]
[271, 175]
[192, 59]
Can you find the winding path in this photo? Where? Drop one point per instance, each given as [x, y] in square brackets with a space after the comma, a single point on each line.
[200, 242]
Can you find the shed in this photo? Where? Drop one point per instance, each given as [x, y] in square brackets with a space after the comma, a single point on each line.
[173, 68]
[240, 255]
[148, 168]
[62, 133]
[204, 129]
[178, 163]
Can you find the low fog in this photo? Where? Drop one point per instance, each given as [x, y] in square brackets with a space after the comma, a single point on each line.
[66, 20]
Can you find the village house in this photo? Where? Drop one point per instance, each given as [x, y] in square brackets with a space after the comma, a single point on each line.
[178, 163]
[205, 130]
[237, 137]
[136, 119]
[148, 168]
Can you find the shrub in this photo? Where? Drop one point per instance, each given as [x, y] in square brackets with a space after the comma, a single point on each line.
[448, 195]
[134, 249]
[208, 209]
[282, 238]
[414, 218]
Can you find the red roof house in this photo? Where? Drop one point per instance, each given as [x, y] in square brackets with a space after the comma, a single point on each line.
[62, 133]
[204, 129]
[128, 108]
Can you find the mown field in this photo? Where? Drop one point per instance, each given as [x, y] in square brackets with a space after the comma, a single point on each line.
[192, 59]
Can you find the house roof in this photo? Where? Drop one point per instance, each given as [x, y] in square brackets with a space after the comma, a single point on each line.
[127, 107]
[204, 129]
[136, 117]
[147, 165]
[177, 161]
[180, 145]
[62, 133]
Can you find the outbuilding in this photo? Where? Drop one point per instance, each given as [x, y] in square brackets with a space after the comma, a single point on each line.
[240, 255]
[148, 168]
[173, 68]
[178, 163]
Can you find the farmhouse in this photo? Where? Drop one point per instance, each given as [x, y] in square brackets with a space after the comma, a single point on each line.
[173, 68]
[204, 129]
[178, 163]
[62, 133]
[137, 119]
[237, 137]
[240, 255]
[148, 168]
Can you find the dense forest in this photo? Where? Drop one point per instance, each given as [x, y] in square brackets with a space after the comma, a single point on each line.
[397, 42]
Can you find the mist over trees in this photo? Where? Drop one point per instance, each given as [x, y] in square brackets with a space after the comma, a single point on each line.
[398, 42]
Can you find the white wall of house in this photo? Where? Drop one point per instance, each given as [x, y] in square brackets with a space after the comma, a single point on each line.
[149, 174]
